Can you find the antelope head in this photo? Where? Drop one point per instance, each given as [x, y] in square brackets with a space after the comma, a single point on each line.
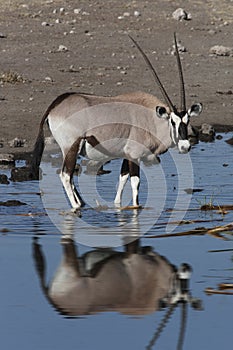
[178, 118]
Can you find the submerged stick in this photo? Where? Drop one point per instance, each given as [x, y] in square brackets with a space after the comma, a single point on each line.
[210, 291]
[199, 231]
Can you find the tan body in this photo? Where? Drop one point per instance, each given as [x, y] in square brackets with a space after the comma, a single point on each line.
[134, 126]
[132, 283]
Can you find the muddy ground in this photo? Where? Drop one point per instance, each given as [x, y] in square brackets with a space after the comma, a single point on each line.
[51, 47]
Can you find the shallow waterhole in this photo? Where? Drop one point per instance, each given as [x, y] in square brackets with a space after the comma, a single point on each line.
[172, 195]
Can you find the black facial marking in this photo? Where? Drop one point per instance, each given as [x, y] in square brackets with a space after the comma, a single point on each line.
[182, 114]
[183, 131]
[173, 123]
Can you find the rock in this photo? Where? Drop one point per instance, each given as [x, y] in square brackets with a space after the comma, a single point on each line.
[180, 47]
[192, 190]
[7, 159]
[220, 50]
[180, 14]
[62, 48]
[45, 24]
[77, 11]
[17, 142]
[12, 203]
[230, 141]
[48, 79]
[4, 179]
[24, 173]
[2, 36]
[206, 133]
[62, 10]
[137, 14]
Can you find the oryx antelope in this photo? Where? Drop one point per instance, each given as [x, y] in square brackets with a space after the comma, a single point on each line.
[131, 282]
[134, 126]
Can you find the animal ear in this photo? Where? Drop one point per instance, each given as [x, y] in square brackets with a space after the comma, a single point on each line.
[162, 112]
[195, 110]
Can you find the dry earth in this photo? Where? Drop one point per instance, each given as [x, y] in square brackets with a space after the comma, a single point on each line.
[98, 57]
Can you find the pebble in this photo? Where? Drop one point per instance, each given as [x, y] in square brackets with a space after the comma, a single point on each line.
[17, 142]
[77, 11]
[46, 24]
[12, 203]
[4, 179]
[220, 50]
[62, 10]
[180, 14]
[62, 48]
[181, 49]
[2, 36]
[48, 79]
[137, 14]
[7, 158]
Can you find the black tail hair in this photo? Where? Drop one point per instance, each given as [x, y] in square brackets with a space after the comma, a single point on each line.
[37, 153]
[38, 148]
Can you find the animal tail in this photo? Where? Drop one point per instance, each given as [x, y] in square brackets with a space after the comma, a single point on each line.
[38, 149]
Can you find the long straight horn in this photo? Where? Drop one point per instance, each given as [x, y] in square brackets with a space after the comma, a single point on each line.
[182, 89]
[164, 93]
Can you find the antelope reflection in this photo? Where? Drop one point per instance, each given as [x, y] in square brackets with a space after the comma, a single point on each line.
[132, 282]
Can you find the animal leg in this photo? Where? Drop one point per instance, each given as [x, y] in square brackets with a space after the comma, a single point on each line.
[122, 181]
[66, 176]
[134, 172]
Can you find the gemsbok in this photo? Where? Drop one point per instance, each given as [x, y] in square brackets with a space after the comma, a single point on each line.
[133, 126]
[136, 281]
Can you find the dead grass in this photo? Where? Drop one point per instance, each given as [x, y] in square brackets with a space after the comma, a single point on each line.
[11, 77]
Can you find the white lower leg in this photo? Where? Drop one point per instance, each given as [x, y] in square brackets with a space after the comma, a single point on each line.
[122, 181]
[135, 181]
[69, 188]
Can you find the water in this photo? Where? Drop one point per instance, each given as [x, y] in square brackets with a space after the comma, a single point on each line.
[29, 320]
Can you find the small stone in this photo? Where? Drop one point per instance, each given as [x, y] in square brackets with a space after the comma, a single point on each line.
[17, 142]
[24, 173]
[230, 141]
[45, 24]
[137, 13]
[206, 133]
[48, 79]
[212, 32]
[2, 36]
[220, 50]
[180, 14]
[62, 10]
[126, 14]
[180, 47]
[12, 203]
[4, 179]
[77, 11]
[62, 48]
